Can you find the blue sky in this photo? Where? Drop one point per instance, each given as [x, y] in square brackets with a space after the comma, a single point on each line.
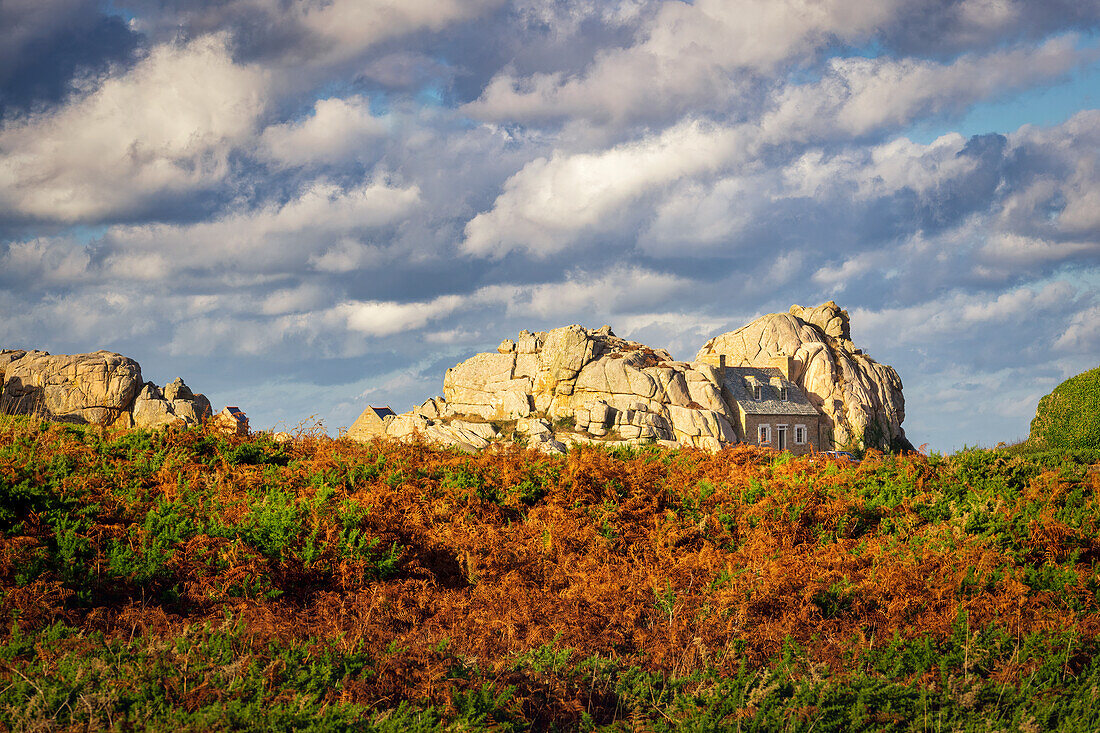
[301, 207]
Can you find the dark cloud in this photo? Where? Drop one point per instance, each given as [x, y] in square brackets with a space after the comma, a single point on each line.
[48, 45]
[943, 28]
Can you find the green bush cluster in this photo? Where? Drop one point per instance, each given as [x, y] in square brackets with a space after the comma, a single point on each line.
[1069, 417]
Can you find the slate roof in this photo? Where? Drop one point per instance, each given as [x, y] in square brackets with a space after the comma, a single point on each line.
[380, 412]
[737, 385]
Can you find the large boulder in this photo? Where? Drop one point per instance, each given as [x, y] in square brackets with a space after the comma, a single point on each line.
[104, 388]
[83, 388]
[175, 405]
[860, 398]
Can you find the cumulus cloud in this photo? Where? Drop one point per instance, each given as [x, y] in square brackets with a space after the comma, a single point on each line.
[309, 34]
[262, 240]
[547, 205]
[337, 129]
[1082, 334]
[166, 126]
[687, 55]
[383, 318]
[858, 95]
[961, 314]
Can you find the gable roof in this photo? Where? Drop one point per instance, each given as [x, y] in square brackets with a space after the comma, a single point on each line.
[737, 386]
[380, 412]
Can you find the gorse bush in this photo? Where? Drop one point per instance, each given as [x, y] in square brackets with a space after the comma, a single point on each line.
[1069, 417]
[183, 579]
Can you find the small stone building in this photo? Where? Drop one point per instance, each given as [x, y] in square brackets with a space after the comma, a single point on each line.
[371, 423]
[771, 410]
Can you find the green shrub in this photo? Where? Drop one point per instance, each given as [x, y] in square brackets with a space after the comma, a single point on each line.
[1069, 417]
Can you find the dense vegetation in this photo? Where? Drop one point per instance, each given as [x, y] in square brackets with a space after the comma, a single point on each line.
[1069, 417]
[189, 581]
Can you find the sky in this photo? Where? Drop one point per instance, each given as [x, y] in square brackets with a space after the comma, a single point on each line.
[305, 206]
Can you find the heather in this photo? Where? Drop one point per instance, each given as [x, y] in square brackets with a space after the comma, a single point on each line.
[185, 579]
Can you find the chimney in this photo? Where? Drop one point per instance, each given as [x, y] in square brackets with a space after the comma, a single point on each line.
[785, 364]
[718, 361]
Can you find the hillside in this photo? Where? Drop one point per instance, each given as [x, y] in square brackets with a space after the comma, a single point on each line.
[182, 579]
[1069, 417]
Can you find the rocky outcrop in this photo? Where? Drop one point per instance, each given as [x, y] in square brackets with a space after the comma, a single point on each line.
[102, 388]
[573, 385]
[861, 399]
[174, 405]
[84, 388]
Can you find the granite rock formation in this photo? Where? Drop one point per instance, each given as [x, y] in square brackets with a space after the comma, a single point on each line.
[102, 388]
[574, 385]
[85, 388]
[861, 399]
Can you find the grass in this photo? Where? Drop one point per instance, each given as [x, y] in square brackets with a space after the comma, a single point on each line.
[185, 580]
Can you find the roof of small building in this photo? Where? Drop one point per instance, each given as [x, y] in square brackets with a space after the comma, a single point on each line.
[737, 384]
[380, 412]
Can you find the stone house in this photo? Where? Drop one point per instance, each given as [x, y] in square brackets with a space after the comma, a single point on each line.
[771, 410]
[371, 423]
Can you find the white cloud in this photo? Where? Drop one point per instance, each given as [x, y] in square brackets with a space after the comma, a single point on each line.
[836, 278]
[880, 170]
[347, 255]
[961, 315]
[385, 318]
[622, 290]
[1015, 250]
[46, 261]
[687, 55]
[337, 130]
[694, 218]
[1082, 334]
[858, 96]
[344, 28]
[549, 204]
[304, 36]
[271, 238]
[166, 126]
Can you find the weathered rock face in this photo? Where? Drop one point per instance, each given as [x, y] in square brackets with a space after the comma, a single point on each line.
[591, 384]
[85, 388]
[861, 399]
[577, 385]
[174, 405]
[102, 388]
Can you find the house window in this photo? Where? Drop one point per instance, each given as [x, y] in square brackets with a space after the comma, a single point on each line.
[756, 391]
[783, 393]
[765, 434]
[799, 434]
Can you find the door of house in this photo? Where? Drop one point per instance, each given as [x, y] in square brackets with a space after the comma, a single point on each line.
[781, 437]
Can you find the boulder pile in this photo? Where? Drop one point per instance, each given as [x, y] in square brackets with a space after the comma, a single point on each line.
[570, 385]
[861, 399]
[100, 388]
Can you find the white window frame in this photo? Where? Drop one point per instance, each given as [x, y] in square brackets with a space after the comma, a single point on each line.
[764, 434]
[800, 432]
[757, 392]
[783, 394]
